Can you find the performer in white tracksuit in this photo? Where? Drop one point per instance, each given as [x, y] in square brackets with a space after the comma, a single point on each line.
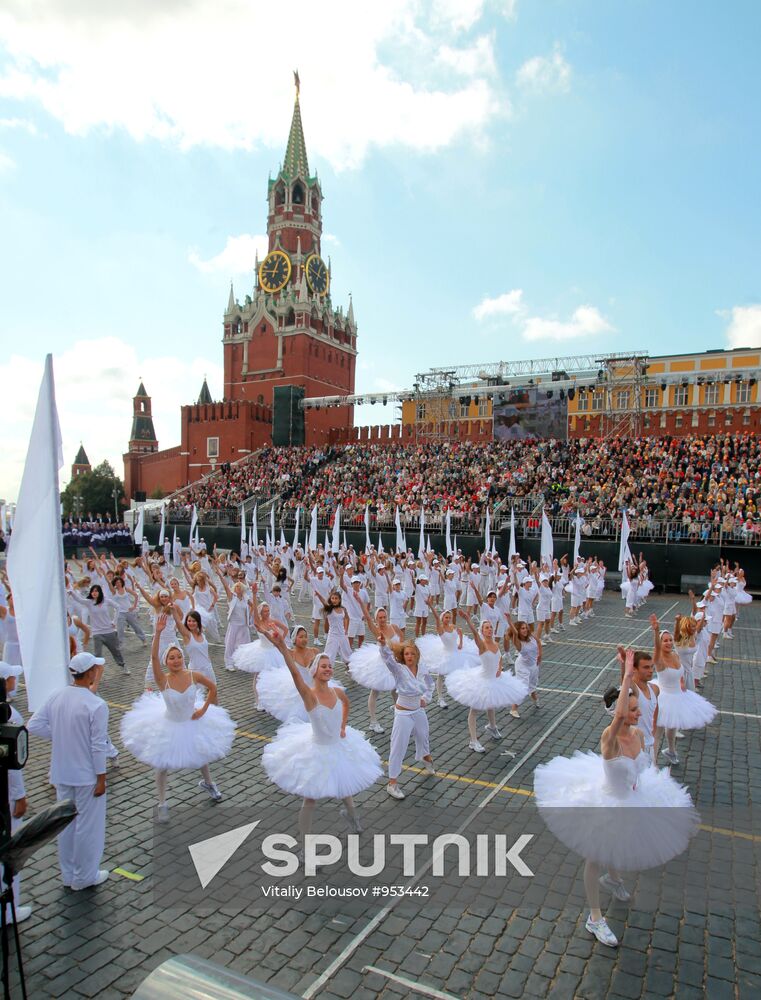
[413, 689]
[76, 722]
[16, 793]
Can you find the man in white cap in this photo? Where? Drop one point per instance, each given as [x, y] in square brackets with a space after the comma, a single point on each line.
[321, 586]
[16, 792]
[76, 722]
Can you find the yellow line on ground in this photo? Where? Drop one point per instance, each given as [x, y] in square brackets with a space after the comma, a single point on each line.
[730, 833]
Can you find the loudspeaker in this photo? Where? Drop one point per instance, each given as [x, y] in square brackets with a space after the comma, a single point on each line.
[287, 415]
[140, 496]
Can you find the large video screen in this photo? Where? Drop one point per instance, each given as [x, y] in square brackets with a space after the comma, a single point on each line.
[529, 413]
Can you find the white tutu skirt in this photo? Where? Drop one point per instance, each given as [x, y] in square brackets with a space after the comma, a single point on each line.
[437, 660]
[743, 598]
[684, 710]
[295, 762]
[645, 830]
[645, 588]
[254, 657]
[277, 695]
[471, 687]
[151, 736]
[368, 669]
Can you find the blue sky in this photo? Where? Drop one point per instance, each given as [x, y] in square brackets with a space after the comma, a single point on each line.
[505, 179]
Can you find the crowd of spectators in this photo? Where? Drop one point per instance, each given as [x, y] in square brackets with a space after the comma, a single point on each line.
[270, 472]
[97, 531]
[693, 480]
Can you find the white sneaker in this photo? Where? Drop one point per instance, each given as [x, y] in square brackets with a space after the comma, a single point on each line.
[711, 659]
[354, 825]
[395, 791]
[602, 932]
[22, 913]
[100, 877]
[476, 746]
[319, 642]
[515, 713]
[162, 813]
[562, 628]
[616, 887]
[679, 734]
[126, 670]
[729, 635]
[211, 788]
[443, 704]
[376, 727]
[428, 766]
[670, 757]
[547, 638]
[494, 732]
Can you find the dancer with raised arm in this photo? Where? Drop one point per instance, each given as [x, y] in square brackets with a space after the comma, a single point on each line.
[527, 662]
[445, 652]
[324, 757]
[368, 668]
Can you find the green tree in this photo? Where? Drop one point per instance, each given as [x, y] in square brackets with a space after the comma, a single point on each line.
[93, 493]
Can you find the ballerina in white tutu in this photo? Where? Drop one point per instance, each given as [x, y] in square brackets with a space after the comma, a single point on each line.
[742, 597]
[191, 632]
[260, 655]
[322, 758]
[170, 731]
[277, 693]
[678, 708]
[616, 811]
[366, 666]
[483, 686]
[445, 652]
[527, 662]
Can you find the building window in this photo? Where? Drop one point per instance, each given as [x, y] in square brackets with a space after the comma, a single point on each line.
[212, 447]
[712, 395]
[622, 399]
[587, 424]
[464, 411]
[695, 418]
[743, 392]
[678, 420]
[711, 419]
[746, 418]
[647, 420]
[598, 400]
[420, 411]
[663, 420]
[728, 418]
[483, 407]
[651, 398]
[582, 404]
[681, 395]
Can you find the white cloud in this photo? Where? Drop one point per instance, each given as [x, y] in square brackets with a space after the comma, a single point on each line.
[238, 256]
[586, 321]
[744, 328]
[545, 74]
[6, 163]
[95, 383]
[475, 60]
[19, 123]
[215, 75]
[508, 304]
[332, 239]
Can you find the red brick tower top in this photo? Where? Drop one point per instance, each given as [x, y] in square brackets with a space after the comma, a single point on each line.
[287, 331]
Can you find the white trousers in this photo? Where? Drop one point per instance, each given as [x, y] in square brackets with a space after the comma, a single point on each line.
[527, 672]
[80, 846]
[237, 634]
[336, 645]
[406, 725]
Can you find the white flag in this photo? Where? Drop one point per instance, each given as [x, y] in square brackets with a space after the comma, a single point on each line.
[176, 548]
[546, 548]
[254, 530]
[449, 533]
[139, 527]
[327, 543]
[3, 519]
[428, 544]
[161, 529]
[35, 554]
[400, 546]
[337, 530]
[421, 543]
[313, 530]
[454, 547]
[193, 523]
[623, 551]
[346, 544]
[283, 543]
[242, 528]
[272, 526]
[513, 549]
[296, 529]
[577, 538]
[487, 532]
[368, 544]
[380, 543]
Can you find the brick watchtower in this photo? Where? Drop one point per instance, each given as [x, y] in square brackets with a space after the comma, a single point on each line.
[287, 332]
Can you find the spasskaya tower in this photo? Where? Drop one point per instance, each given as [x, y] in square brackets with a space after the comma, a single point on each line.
[287, 330]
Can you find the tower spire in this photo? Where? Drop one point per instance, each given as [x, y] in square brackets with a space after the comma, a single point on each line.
[296, 163]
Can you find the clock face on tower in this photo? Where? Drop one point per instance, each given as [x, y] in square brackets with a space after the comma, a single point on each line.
[274, 271]
[317, 274]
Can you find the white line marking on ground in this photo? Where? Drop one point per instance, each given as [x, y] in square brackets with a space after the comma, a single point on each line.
[414, 987]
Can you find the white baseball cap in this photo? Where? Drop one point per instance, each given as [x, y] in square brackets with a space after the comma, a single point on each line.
[83, 662]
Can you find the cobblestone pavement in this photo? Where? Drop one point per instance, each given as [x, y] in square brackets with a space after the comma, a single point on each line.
[103, 942]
